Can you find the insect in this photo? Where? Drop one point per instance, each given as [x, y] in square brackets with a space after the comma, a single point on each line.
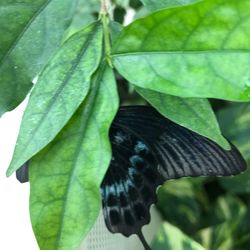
[147, 150]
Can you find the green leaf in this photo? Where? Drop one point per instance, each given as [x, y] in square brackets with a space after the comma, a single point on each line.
[65, 177]
[199, 50]
[183, 209]
[30, 32]
[84, 15]
[156, 4]
[235, 121]
[115, 29]
[170, 237]
[193, 113]
[60, 90]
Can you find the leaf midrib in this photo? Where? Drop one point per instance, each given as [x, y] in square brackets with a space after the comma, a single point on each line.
[180, 52]
[19, 37]
[84, 121]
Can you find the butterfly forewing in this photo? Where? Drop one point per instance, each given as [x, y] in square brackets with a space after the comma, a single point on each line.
[184, 153]
[179, 151]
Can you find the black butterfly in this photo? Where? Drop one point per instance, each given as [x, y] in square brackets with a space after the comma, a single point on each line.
[148, 149]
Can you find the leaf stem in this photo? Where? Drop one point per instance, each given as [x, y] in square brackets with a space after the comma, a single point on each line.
[104, 16]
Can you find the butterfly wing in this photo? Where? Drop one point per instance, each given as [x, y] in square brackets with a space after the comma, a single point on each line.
[22, 174]
[172, 152]
[128, 189]
[180, 152]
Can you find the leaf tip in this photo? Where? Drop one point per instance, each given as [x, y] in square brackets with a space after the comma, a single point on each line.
[9, 172]
[224, 143]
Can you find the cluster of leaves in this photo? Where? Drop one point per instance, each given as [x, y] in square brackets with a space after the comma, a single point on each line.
[176, 56]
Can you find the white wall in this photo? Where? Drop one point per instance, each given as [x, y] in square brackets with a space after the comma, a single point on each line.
[15, 228]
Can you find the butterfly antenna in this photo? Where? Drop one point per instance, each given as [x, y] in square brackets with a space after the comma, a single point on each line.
[143, 241]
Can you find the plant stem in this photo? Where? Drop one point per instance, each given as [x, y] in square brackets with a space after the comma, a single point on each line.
[104, 15]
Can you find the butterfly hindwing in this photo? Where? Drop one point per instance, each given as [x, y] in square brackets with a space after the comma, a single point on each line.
[128, 189]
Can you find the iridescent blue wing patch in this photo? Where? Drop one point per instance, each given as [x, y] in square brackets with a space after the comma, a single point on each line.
[128, 189]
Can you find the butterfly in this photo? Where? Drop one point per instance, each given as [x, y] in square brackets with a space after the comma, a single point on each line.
[147, 150]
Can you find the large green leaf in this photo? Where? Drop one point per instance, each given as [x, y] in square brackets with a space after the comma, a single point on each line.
[193, 113]
[199, 50]
[65, 177]
[61, 88]
[156, 4]
[30, 32]
[235, 122]
[170, 237]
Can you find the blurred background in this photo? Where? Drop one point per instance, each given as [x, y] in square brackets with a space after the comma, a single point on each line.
[191, 213]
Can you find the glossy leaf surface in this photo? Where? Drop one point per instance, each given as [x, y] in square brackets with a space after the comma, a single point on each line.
[199, 50]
